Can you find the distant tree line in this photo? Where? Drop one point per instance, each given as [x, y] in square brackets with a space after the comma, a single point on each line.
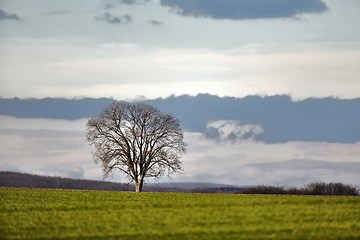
[24, 180]
[318, 188]
[14, 179]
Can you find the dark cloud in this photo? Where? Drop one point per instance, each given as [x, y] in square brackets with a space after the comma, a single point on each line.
[273, 119]
[113, 19]
[108, 4]
[282, 120]
[58, 12]
[155, 23]
[244, 9]
[8, 16]
[132, 2]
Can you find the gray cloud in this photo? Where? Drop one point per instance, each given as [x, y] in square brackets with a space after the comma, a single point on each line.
[132, 2]
[62, 171]
[282, 120]
[9, 167]
[244, 9]
[58, 12]
[113, 19]
[8, 16]
[155, 23]
[295, 173]
[59, 148]
[232, 130]
[301, 172]
[108, 4]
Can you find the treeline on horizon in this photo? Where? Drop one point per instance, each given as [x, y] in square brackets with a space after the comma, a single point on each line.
[23, 180]
[317, 188]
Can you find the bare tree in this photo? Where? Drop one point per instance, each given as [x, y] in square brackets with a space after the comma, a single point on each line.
[138, 140]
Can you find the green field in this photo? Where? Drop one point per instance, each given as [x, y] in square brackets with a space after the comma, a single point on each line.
[65, 214]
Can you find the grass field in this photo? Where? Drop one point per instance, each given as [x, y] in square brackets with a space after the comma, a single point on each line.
[63, 214]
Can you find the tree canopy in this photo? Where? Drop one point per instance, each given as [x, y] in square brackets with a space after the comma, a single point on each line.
[138, 140]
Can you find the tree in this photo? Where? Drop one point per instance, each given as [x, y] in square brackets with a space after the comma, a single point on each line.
[138, 140]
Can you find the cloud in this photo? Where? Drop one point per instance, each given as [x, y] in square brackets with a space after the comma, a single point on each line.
[132, 2]
[155, 23]
[48, 147]
[249, 162]
[58, 12]
[41, 124]
[108, 4]
[62, 171]
[301, 172]
[232, 130]
[8, 16]
[59, 148]
[272, 119]
[244, 9]
[301, 70]
[9, 167]
[285, 173]
[113, 19]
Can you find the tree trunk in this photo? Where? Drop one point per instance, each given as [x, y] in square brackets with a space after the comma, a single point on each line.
[139, 185]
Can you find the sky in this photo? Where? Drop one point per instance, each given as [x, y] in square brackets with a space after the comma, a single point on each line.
[130, 49]
[156, 48]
